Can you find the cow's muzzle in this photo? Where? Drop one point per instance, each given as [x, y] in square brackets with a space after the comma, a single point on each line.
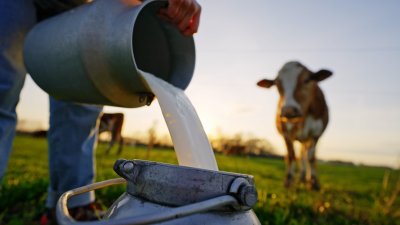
[290, 113]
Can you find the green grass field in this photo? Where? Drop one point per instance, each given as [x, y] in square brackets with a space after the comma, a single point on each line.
[349, 195]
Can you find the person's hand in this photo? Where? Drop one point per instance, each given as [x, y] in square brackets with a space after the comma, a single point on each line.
[185, 14]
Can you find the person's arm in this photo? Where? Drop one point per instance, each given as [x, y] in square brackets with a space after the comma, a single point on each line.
[185, 14]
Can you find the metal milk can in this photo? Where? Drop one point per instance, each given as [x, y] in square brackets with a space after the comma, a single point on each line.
[96, 52]
[165, 194]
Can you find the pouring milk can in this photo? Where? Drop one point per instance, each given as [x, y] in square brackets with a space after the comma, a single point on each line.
[164, 194]
[95, 53]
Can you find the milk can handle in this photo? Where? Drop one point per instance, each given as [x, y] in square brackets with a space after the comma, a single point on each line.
[64, 218]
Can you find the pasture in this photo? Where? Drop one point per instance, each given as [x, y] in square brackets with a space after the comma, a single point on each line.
[349, 194]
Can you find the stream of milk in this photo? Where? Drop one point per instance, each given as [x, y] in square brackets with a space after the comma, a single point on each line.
[188, 136]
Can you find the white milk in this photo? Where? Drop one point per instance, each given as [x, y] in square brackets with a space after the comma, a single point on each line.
[190, 141]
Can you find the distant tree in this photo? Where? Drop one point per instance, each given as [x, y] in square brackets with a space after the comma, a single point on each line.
[259, 146]
[241, 145]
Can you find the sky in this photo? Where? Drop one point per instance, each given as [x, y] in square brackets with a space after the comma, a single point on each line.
[241, 42]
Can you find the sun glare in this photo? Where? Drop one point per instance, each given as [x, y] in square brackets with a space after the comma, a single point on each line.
[209, 125]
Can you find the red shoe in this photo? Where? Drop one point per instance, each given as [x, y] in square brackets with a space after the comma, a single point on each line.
[89, 212]
[49, 217]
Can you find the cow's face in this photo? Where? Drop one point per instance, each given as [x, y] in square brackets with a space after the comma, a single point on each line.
[297, 87]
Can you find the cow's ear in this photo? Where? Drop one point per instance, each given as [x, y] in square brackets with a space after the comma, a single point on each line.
[265, 83]
[321, 75]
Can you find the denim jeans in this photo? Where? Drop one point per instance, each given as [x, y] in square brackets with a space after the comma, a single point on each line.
[73, 132]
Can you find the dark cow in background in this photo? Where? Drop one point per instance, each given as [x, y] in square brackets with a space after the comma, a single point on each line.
[113, 122]
[302, 116]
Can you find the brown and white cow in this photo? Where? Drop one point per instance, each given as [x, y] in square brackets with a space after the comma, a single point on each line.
[113, 122]
[302, 116]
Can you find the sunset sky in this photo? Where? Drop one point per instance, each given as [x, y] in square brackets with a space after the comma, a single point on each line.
[241, 42]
